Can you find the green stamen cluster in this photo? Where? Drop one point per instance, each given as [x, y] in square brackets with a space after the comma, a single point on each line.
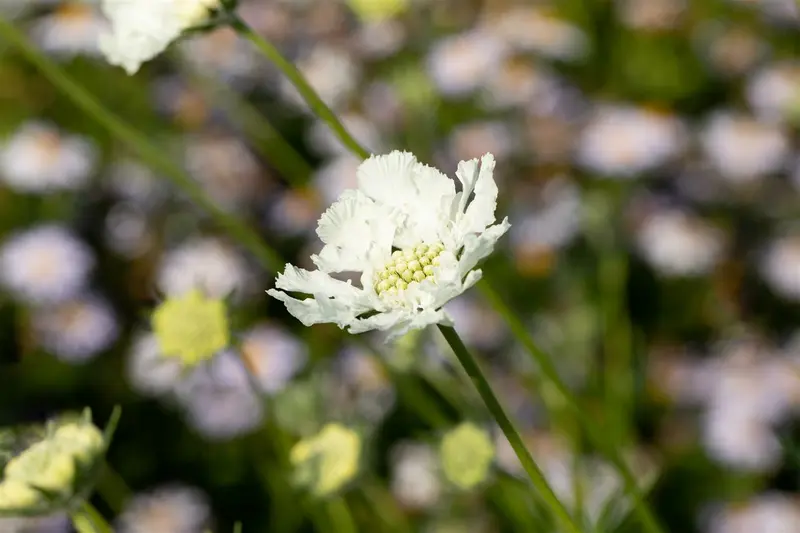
[409, 266]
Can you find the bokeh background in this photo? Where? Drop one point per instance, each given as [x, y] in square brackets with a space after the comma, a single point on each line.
[647, 159]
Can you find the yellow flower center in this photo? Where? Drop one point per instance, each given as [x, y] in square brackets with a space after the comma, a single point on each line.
[407, 267]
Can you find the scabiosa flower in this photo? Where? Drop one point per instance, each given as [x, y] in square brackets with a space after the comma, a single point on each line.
[45, 264]
[191, 328]
[143, 29]
[413, 238]
[38, 158]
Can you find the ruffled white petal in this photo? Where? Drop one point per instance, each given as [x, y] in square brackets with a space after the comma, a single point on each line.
[389, 179]
[478, 179]
[355, 231]
[477, 247]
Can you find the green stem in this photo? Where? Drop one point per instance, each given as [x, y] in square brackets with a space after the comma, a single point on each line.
[308, 93]
[87, 519]
[341, 519]
[595, 433]
[535, 474]
[141, 145]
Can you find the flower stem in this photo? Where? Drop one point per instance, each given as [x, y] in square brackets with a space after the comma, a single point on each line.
[595, 433]
[87, 519]
[141, 145]
[308, 93]
[535, 474]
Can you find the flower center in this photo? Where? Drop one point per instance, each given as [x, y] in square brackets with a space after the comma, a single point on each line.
[407, 267]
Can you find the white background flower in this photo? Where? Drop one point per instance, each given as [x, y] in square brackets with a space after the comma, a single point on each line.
[143, 29]
[412, 237]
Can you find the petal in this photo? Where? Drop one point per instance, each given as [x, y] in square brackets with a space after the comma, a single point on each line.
[478, 213]
[476, 247]
[312, 311]
[388, 179]
[353, 230]
[420, 320]
[315, 282]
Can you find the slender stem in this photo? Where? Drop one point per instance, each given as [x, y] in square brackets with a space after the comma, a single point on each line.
[308, 93]
[141, 145]
[475, 373]
[87, 519]
[594, 432]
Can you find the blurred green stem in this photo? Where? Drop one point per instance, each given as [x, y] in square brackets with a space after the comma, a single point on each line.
[141, 145]
[308, 93]
[87, 519]
[341, 520]
[267, 140]
[595, 432]
[535, 474]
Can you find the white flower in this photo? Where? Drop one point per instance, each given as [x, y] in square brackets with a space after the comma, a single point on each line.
[415, 475]
[780, 266]
[413, 239]
[39, 158]
[623, 141]
[532, 29]
[774, 91]
[459, 64]
[45, 264]
[770, 512]
[76, 330]
[679, 244]
[72, 29]
[169, 509]
[743, 149]
[206, 264]
[143, 29]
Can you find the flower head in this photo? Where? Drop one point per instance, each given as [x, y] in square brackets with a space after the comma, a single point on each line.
[191, 328]
[467, 453]
[328, 460]
[47, 468]
[412, 237]
[143, 29]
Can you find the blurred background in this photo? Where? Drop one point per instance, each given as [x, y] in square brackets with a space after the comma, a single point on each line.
[648, 162]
